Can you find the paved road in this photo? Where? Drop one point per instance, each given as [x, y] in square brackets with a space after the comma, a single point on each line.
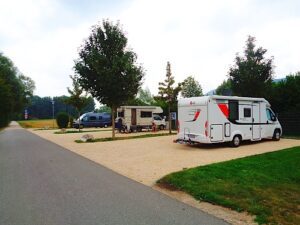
[44, 184]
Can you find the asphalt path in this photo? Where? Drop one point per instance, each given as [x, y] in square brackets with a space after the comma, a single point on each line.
[42, 183]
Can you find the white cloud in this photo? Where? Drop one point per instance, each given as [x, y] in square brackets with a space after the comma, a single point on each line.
[199, 38]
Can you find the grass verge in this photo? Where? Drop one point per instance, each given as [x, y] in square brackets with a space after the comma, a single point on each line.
[46, 123]
[125, 138]
[266, 185]
[76, 131]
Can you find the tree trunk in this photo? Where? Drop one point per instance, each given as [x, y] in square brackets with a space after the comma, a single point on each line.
[170, 121]
[113, 121]
[78, 121]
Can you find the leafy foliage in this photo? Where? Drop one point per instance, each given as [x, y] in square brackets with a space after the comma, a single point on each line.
[12, 91]
[224, 88]
[252, 74]
[41, 107]
[191, 88]
[76, 99]
[29, 85]
[62, 120]
[145, 96]
[106, 68]
[168, 92]
[285, 94]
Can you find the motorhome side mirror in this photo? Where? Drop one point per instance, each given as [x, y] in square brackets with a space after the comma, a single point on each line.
[273, 118]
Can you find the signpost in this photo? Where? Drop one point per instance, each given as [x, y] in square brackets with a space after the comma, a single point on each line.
[53, 111]
[26, 114]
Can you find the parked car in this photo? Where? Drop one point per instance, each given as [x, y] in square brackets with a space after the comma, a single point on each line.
[92, 119]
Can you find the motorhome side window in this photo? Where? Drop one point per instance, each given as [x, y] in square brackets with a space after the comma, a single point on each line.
[100, 118]
[145, 114]
[121, 114]
[247, 112]
[92, 118]
[233, 110]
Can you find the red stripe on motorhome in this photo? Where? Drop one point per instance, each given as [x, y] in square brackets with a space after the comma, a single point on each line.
[224, 108]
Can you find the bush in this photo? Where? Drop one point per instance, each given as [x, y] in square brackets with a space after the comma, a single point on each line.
[62, 120]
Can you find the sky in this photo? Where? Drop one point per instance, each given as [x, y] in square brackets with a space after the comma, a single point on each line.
[199, 38]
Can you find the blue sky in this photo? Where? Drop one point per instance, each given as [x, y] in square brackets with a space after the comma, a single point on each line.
[199, 38]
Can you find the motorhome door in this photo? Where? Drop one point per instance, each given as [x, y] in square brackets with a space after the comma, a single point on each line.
[256, 131]
[133, 117]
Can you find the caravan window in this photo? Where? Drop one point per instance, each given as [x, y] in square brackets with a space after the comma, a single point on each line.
[233, 110]
[145, 114]
[247, 112]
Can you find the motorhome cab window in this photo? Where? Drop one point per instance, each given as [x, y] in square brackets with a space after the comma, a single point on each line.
[247, 112]
[145, 114]
[233, 110]
[156, 118]
[270, 115]
[92, 118]
[84, 119]
[121, 114]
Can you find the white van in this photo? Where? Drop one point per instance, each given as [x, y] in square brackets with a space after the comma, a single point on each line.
[214, 119]
[136, 118]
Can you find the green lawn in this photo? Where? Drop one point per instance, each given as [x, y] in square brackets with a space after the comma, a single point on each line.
[125, 138]
[266, 185]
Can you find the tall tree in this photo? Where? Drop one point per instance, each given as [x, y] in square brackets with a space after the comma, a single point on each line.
[168, 92]
[12, 93]
[191, 88]
[252, 73]
[145, 96]
[77, 98]
[107, 68]
[29, 85]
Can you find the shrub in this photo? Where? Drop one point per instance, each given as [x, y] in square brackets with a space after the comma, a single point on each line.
[62, 120]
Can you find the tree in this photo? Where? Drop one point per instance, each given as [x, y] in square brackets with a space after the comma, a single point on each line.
[224, 88]
[29, 85]
[191, 88]
[145, 96]
[77, 99]
[252, 74]
[107, 69]
[12, 93]
[285, 94]
[168, 92]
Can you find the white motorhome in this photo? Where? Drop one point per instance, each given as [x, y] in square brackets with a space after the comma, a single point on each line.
[136, 118]
[214, 119]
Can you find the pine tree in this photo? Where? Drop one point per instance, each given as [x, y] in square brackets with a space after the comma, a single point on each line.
[168, 92]
[252, 74]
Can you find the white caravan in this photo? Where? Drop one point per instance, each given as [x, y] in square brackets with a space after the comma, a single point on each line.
[136, 118]
[214, 119]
